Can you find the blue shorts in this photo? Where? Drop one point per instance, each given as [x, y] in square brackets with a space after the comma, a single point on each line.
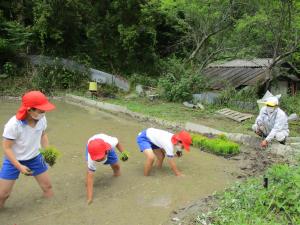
[112, 157]
[10, 172]
[144, 142]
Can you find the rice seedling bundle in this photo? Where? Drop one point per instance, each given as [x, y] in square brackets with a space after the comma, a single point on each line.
[50, 155]
[219, 145]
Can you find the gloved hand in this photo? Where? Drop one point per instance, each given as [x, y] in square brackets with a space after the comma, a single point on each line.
[124, 156]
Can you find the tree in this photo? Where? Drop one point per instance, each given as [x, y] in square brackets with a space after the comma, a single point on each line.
[14, 38]
[204, 23]
[272, 31]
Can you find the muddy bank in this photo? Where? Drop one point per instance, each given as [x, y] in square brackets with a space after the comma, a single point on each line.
[251, 162]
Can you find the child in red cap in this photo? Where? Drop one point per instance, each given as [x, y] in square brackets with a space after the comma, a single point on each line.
[23, 136]
[155, 142]
[100, 147]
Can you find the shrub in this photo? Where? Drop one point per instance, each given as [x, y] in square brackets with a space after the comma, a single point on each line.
[251, 203]
[219, 145]
[290, 104]
[10, 69]
[48, 78]
[244, 99]
[142, 79]
[107, 90]
[286, 198]
[179, 81]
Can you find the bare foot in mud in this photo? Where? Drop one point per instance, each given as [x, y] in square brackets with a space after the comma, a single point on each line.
[117, 174]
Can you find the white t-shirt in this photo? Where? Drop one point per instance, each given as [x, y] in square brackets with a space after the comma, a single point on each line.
[113, 141]
[27, 139]
[161, 139]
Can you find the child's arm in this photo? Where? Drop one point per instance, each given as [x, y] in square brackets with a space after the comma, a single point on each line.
[44, 140]
[89, 186]
[124, 154]
[173, 166]
[120, 147]
[7, 146]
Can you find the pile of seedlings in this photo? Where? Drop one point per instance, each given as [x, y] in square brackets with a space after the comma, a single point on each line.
[219, 144]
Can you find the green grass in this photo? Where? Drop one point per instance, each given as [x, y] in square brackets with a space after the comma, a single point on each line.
[219, 145]
[160, 109]
[251, 203]
[177, 112]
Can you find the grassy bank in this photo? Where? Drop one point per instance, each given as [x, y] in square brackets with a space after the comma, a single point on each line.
[178, 112]
[252, 202]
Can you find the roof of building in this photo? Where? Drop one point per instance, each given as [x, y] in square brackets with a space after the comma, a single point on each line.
[252, 63]
[238, 72]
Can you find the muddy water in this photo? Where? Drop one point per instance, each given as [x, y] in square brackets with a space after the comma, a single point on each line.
[130, 199]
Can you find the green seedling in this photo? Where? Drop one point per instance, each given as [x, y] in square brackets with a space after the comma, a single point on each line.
[50, 155]
[124, 156]
[219, 145]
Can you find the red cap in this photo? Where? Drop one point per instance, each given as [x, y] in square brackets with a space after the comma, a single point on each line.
[33, 99]
[97, 148]
[184, 137]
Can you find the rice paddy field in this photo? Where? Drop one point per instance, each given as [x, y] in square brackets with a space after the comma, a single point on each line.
[128, 199]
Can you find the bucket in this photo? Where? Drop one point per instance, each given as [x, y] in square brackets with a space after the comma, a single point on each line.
[93, 86]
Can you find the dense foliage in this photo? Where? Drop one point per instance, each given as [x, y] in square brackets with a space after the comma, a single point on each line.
[49, 78]
[252, 203]
[143, 36]
[179, 81]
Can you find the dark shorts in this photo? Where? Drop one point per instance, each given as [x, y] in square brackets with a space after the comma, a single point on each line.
[10, 172]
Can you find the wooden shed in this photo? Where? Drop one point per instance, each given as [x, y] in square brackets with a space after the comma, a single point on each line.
[240, 73]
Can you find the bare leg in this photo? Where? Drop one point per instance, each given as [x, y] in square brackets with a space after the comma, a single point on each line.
[160, 155]
[6, 187]
[149, 161]
[116, 168]
[45, 184]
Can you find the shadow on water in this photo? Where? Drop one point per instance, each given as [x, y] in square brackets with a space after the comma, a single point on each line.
[128, 199]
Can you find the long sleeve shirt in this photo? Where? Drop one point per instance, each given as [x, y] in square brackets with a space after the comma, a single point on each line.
[274, 122]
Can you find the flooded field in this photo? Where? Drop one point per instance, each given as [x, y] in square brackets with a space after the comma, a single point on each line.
[130, 199]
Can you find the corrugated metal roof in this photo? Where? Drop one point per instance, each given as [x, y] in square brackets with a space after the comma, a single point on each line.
[257, 62]
[235, 76]
[240, 72]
